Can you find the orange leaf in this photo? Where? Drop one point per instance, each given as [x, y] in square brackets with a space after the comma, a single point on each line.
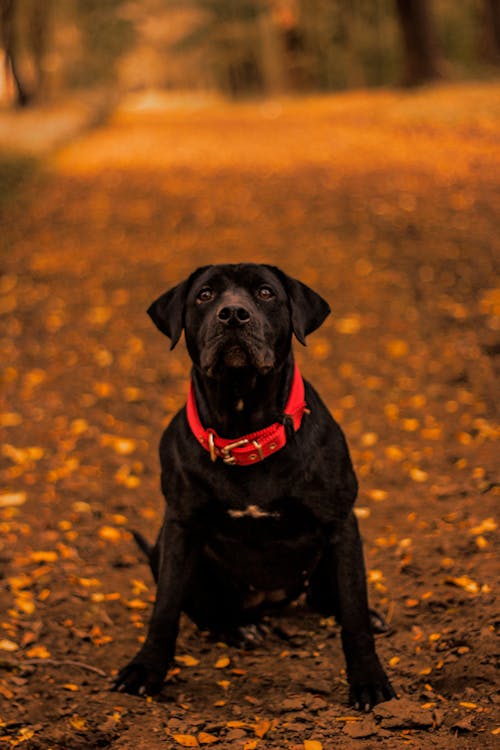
[262, 727]
[187, 661]
[204, 738]
[186, 740]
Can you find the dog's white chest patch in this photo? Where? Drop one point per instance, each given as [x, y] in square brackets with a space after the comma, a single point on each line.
[252, 511]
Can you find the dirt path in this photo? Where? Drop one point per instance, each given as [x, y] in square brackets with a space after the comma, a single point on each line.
[388, 204]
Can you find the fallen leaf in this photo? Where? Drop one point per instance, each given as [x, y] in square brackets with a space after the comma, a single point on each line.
[46, 556]
[222, 662]
[109, 533]
[38, 652]
[6, 645]
[489, 524]
[261, 728]
[186, 740]
[186, 660]
[204, 738]
[12, 499]
[78, 723]
[464, 582]
[312, 745]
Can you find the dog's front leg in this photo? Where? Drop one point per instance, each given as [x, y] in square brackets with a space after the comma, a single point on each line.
[368, 683]
[178, 550]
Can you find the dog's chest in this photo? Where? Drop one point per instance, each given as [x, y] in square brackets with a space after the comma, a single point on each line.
[267, 546]
[253, 511]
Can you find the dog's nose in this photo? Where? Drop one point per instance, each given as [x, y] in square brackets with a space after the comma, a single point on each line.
[233, 314]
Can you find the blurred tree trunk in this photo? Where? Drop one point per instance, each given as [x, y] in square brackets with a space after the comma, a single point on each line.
[420, 48]
[272, 55]
[490, 37]
[10, 43]
[38, 33]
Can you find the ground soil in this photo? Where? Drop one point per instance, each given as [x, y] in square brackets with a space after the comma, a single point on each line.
[388, 205]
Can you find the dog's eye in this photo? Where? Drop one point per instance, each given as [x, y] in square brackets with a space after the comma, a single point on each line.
[265, 292]
[205, 294]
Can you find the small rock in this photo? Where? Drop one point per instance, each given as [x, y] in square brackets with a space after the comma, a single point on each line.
[463, 725]
[235, 734]
[296, 703]
[360, 729]
[315, 703]
[403, 714]
[320, 686]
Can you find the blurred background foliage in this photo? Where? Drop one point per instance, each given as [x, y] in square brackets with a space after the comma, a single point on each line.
[241, 47]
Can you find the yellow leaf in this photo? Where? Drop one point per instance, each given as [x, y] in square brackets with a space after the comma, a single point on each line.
[468, 705]
[186, 740]
[12, 499]
[10, 419]
[410, 425]
[481, 542]
[135, 604]
[262, 727]
[464, 582]
[489, 524]
[124, 447]
[418, 475]
[378, 495]
[348, 325]
[375, 575]
[236, 724]
[312, 745]
[44, 556]
[395, 660]
[70, 686]
[204, 738]
[362, 512]
[6, 645]
[412, 603]
[250, 744]
[109, 533]
[321, 349]
[222, 662]
[25, 603]
[397, 348]
[78, 723]
[187, 661]
[38, 652]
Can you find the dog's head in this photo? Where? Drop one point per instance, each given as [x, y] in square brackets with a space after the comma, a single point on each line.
[238, 316]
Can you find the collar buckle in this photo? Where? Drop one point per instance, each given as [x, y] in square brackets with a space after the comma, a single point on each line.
[226, 454]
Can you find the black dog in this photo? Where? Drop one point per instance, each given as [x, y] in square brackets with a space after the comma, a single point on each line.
[258, 479]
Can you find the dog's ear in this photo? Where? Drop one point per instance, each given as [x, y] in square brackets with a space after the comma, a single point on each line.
[167, 312]
[308, 309]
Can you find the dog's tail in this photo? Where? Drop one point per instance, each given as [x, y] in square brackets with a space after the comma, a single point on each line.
[149, 551]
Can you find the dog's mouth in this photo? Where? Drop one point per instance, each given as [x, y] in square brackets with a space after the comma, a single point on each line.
[235, 356]
[220, 354]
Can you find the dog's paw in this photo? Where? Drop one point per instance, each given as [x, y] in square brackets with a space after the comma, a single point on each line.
[379, 623]
[369, 689]
[138, 679]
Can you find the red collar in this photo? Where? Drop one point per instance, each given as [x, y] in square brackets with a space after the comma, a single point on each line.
[255, 447]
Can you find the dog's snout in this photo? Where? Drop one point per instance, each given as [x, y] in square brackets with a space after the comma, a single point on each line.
[235, 314]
